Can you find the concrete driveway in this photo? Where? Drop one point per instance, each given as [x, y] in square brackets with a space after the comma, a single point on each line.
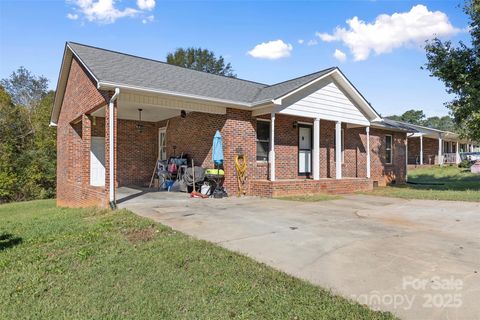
[418, 259]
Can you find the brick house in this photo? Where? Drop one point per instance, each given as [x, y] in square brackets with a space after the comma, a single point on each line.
[429, 146]
[291, 132]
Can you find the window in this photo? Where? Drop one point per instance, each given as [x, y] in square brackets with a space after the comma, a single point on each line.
[388, 149]
[342, 139]
[263, 140]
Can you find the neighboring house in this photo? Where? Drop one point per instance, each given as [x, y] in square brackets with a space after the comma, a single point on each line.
[427, 146]
[292, 132]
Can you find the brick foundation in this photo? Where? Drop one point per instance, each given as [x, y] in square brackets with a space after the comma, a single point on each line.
[265, 188]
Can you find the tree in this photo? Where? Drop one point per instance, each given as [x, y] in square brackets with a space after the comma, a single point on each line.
[441, 123]
[459, 68]
[27, 143]
[25, 89]
[411, 116]
[418, 117]
[201, 60]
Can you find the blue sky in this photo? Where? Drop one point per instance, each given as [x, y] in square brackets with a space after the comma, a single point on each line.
[382, 57]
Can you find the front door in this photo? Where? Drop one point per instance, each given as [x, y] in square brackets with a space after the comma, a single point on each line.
[97, 161]
[304, 150]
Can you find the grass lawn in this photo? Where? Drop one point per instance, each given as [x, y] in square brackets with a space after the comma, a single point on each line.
[447, 183]
[90, 264]
[310, 197]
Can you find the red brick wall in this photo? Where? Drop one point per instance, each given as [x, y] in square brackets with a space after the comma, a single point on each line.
[430, 150]
[73, 141]
[381, 171]
[137, 152]
[193, 135]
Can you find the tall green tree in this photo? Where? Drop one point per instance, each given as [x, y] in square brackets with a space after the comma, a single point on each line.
[458, 66]
[12, 126]
[27, 143]
[201, 60]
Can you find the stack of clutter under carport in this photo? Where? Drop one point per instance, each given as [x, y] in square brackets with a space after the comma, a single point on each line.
[179, 174]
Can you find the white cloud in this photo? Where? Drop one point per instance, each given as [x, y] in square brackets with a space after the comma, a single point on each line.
[339, 55]
[146, 4]
[389, 32]
[301, 41]
[72, 16]
[325, 36]
[312, 43]
[107, 11]
[148, 19]
[272, 50]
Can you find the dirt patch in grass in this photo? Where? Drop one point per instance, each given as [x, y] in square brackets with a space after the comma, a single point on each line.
[141, 235]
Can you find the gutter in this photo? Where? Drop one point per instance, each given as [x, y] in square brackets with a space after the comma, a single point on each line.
[111, 146]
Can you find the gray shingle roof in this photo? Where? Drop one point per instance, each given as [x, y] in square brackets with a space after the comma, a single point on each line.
[279, 89]
[120, 68]
[399, 125]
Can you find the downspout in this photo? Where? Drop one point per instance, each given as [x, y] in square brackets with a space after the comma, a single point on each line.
[111, 146]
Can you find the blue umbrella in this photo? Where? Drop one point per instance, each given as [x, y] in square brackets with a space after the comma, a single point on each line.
[217, 152]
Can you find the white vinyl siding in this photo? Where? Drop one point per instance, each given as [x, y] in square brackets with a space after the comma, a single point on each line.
[327, 103]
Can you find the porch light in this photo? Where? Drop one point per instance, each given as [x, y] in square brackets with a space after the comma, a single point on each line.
[139, 124]
[183, 114]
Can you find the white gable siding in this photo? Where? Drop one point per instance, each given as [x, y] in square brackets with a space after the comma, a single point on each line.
[328, 103]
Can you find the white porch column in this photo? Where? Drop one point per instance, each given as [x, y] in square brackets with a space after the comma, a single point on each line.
[316, 149]
[367, 130]
[457, 152]
[421, 149]
[440, 145]
[271, 154]
[406, 152]
[338, 150]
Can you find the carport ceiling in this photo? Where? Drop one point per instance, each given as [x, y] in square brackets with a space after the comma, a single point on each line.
[149, 113]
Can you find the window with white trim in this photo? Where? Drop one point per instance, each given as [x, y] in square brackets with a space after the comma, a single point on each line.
[263, 139]
[388, 149]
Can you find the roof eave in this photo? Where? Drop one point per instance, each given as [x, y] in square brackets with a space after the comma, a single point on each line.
[108, 85]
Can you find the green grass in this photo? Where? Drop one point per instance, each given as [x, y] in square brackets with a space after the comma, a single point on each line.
[447, 183]
[90, 264]
[310, 197]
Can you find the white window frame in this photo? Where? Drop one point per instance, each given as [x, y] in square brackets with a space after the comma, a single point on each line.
[257, 140]
[391, 149]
